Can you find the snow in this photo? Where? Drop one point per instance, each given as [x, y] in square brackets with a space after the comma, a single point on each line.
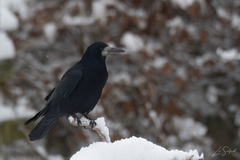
[132, 149]
[174, 23]
[235, 21]
[212, 94]
[228, 55]
[7, 49]
[182, 73]
[8, 21]
[17, 6]
[187, 128]
[159, 62]
[101, 126]
[122, 77]
[221, 12]
[184, 4]
[50, 31]
[20, 111]
[98, 13]
[132, 42]
[199, 61]
[78, 20]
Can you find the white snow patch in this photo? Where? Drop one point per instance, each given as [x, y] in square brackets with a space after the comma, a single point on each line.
[141, 16]
[228, 55]
[132, 42]
[123, 77]
[212, 94]
[221, 12]
[184, 4]
[50, 31]
[201, 60]
[158, 62]
[152, 47]
[157, 119]
[235, 21]
[17, 6]
[7, 49]
[187, 128]
[99, 10]
[174, 23]
[78, 20]
[101, 125]
[132, 149]
[11, 113]
[8, 21]
[181, 72]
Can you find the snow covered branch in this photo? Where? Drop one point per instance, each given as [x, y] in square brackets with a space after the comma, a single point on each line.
[100, 126]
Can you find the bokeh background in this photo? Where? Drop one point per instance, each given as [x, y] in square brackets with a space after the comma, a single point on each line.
[178, 85]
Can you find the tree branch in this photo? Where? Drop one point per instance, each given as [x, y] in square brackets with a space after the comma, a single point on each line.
[100, 126]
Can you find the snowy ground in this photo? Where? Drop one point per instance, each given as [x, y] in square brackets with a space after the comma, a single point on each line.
[133, 148]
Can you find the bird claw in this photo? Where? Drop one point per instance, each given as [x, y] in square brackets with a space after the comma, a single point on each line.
[92, 124]
[76, 119]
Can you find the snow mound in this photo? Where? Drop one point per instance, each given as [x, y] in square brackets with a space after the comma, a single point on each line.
[131, 149]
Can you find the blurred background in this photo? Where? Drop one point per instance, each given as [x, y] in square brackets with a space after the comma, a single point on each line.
[178, 85]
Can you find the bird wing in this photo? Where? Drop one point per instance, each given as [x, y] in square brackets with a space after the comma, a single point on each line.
[65, 86]
[49, 94]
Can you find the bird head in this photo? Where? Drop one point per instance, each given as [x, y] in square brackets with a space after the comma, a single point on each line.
[100, 48]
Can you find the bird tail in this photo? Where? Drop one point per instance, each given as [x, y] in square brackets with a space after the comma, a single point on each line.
[38, 115]
[45, 125]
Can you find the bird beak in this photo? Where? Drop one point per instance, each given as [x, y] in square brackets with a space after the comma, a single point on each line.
[111, 50]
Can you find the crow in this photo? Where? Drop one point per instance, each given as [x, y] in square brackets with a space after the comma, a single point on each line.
[78, 91]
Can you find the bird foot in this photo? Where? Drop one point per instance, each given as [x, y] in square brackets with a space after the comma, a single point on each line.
[92, 124]
[76, 119]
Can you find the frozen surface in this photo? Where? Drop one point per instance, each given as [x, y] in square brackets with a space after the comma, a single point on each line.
[132, 149]
[6, 48]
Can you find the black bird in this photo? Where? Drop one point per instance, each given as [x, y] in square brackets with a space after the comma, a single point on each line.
[78, 91]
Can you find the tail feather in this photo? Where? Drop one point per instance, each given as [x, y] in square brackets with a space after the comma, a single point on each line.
[45, 125]
[38, 115]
